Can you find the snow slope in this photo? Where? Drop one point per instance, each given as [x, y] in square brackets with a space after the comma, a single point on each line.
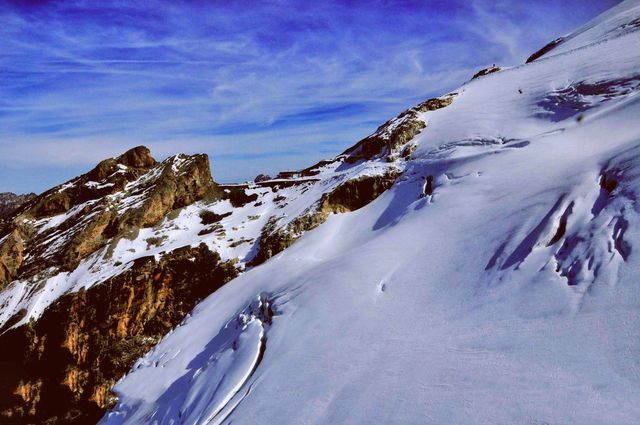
[508, 296]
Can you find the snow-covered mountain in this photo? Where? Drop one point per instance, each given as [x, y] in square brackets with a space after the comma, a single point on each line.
[473, 261]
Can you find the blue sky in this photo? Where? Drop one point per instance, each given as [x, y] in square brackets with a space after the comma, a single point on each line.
[259, 86]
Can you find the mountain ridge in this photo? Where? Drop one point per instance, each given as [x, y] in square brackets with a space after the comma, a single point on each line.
[102, 246]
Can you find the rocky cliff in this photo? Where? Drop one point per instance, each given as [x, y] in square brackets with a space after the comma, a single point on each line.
[56, 230]
[10, 201]
[59, 367]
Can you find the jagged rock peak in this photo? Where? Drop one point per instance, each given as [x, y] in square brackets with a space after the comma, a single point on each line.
[122, 194]
[10, 201]
[138, 157]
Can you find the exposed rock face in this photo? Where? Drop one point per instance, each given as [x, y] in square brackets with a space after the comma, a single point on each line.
[109, 176]
[138, 158]
[11, 256]
[349, 196]
[60, 368]
[546, 49]
[182, 180]
[486, 71]
[395, 133]
[9, 202]
[238, 196]
[355, 194]
[130, 191]
[274, 240]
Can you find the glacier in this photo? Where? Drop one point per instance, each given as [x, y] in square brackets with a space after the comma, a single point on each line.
[509, 294]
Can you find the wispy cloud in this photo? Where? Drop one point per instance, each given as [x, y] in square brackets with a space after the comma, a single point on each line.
[257, 86]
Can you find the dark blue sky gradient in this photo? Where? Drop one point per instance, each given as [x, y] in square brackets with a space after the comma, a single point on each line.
[259, 86]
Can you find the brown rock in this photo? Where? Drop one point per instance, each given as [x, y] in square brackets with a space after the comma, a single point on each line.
[10, 202]
[349, 196]
[395, 133]
[544, 50]
[486, 71]
[11, 257]
[60, 368]
[138, 157]
[177, 182]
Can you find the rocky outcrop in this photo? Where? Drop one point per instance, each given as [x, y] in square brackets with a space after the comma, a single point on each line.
[274, 239]
[9, 202]
[262, 178]
[546, 49]
[182, 180]
[396, 133]
[486, 71]
[11, 256]
[60, 368]
[108, 177]
[238, 196]
[349, 196]
[118, 195]
[356, 193]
